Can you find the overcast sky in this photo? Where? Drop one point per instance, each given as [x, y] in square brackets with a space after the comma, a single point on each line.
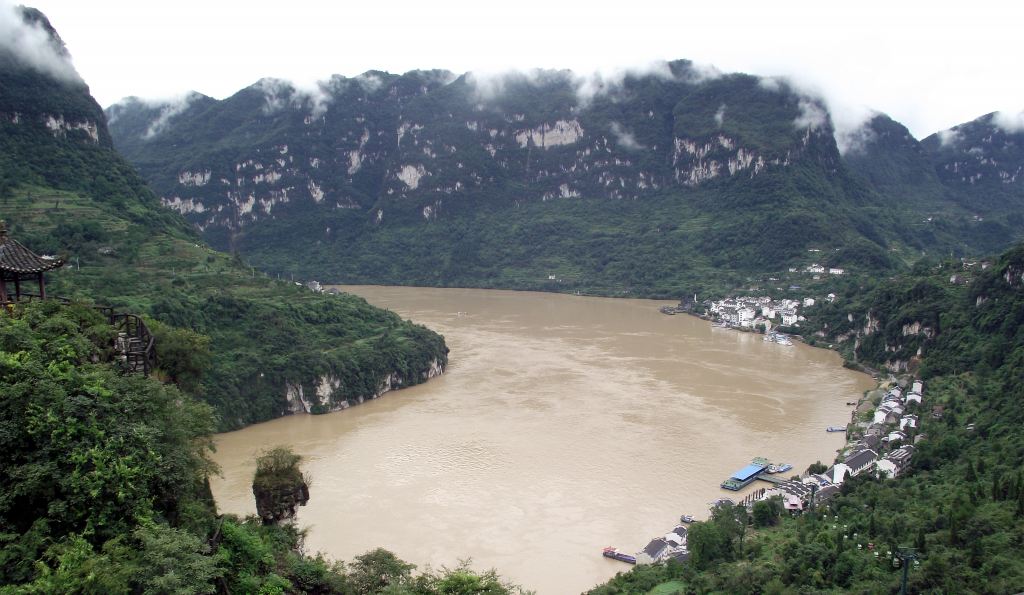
[930, 65]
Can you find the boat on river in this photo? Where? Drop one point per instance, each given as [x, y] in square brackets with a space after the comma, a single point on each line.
[835, 429]
[686, 518]
[615, 554]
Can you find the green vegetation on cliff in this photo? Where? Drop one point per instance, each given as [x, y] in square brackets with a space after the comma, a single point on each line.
[658, 184]
[962, 503]
[237, 339]
[103, 485]
[233, 337]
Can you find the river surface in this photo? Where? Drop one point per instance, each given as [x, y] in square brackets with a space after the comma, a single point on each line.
[563, 424]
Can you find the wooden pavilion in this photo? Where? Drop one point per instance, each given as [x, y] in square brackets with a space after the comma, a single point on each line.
[18, 264]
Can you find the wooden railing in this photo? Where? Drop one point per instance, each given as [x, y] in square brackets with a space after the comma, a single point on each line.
[134, 342]
[135, 345]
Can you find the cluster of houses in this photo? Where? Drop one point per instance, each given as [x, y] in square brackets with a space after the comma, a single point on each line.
[888, 431]
[671, 546]
[751, 312]
[817, 270]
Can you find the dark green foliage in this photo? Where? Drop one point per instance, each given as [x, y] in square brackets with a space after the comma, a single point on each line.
[235, 338]
[276, 467]
[493, 209]
[960, 504]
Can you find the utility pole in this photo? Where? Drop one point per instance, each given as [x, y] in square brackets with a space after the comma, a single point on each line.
[907, 555]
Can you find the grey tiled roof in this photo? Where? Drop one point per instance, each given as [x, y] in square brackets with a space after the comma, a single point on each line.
[18, 259]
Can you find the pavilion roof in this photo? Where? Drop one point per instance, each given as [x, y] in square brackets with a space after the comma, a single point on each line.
[16, 258]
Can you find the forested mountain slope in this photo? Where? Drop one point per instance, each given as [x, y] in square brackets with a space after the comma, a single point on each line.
[652, 183]
[253, 347]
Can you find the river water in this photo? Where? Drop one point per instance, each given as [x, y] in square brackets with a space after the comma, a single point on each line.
[563, 424]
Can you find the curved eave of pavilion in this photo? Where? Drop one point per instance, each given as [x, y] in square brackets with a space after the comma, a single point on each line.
[15, 258]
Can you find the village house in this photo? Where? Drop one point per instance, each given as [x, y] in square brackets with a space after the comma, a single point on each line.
[745, 315]
[826, 493]
[872, 442]
[835, 271]
[832, 475]
[858, 462]
[908, 421]
[794, 493]
[895, 437]
[653, 552]
[885, 414]
[789, 317]
[895, 463]
[875, 429]
[815, 268]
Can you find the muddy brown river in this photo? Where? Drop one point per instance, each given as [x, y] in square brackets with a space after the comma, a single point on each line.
[563, 425]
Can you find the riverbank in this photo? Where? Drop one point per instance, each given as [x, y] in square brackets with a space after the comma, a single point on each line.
[562, 424]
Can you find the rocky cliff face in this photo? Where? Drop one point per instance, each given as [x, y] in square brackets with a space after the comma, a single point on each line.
[378, 140]
[984, 153]
[365, 174]
[264, 336]
[328, 394]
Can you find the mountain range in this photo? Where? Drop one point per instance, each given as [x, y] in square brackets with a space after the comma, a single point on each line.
[654, 183]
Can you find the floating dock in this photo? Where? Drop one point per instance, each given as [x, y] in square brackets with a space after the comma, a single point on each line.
[759, 468]
[742, 478]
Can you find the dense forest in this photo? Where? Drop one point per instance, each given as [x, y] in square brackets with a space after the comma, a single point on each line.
[239, 340]
[656, 185]
[961, 506]
[105, 490]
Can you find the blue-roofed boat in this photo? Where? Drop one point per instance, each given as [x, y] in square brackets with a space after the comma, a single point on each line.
[742, 478]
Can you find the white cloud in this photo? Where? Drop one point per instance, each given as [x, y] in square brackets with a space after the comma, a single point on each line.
[587, 84]
[812, 115]
[855, 140]
[771, 83]
[720, 115]
[313, 97]
[168, 111]
[369, 81]
[949, 138]
[1009, 121]
[626, 139]
[32, 44]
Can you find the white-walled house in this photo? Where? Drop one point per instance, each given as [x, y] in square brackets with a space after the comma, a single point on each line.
[859, 461]
[654, 551]
[896, 462]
